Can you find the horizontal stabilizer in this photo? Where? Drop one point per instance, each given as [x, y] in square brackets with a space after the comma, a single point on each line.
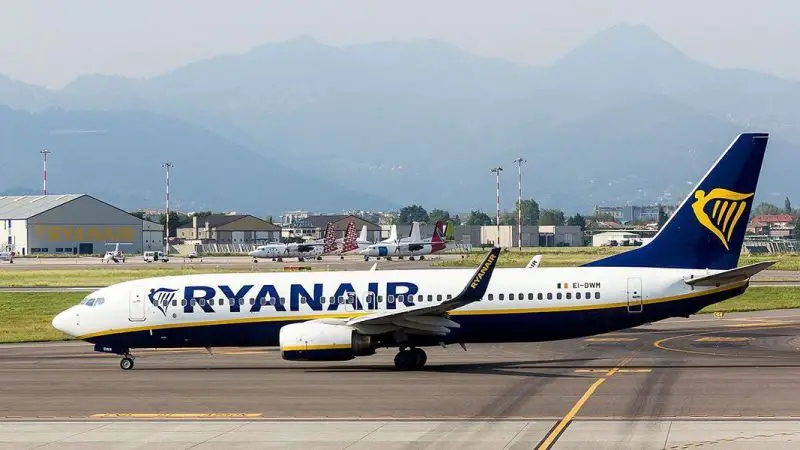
[731, 276]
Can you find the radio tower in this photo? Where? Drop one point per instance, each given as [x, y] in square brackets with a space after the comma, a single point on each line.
[167, 166]
[520, 162]
[497, 171]
[44, 170]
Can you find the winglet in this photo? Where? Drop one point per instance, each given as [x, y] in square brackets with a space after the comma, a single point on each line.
[480, 280]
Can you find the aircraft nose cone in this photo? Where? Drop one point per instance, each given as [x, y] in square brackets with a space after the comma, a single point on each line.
[65, 322]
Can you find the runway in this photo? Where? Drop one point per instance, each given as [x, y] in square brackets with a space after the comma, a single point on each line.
[243, 263]
[626, 388]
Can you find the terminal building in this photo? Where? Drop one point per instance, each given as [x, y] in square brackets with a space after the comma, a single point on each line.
[72, 224]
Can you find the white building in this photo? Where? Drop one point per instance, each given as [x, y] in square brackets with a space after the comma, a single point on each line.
[72, 224]
[605, 239]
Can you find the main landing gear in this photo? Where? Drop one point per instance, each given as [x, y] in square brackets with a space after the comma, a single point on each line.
[126, 363]
[410, 358]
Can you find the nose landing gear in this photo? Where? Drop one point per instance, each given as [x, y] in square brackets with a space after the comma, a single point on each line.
[126, 363]
[410, 358]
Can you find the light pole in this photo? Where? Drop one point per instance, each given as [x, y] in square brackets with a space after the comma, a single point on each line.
[167, 166]
[497, 171]
[44, 170]
[520, 162]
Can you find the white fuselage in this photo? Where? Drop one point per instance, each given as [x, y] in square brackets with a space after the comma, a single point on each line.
[207, 300]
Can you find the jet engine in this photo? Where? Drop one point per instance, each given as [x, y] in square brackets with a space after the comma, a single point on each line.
[317, 341]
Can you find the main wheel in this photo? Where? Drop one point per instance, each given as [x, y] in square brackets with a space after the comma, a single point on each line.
[126, 363]
[319, 258]
[410, 258]
[420, 358]
[422, 257]
[413, 359]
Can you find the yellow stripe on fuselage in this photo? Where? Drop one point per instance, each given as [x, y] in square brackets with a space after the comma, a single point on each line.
[481, 312]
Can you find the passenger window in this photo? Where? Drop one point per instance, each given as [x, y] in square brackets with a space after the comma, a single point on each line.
[380, 298]
[400, 298]
[577, 295]
[420, 298]
[449, 296]
[302, 300]
[430, 297]
[252, 301]
[174, 303]
[390, 298]
[539, 296]
[569, 295]
[549, 295]
[491, 297]
[241, 302]
[588, 295]
[283, 300]
[500, 296]
[202, 302]
[597, 295]
[558, 296]
[511, 296]
[439, 298]
[530, 296]
[521, 296]
[183, 302]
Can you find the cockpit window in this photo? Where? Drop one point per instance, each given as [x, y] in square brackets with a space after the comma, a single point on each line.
[91, 302]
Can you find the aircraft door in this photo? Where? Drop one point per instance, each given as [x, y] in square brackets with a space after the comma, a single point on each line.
[383, 251]
[634, 295]
[136, 306]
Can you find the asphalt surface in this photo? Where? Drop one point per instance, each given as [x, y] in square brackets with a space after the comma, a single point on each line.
[712, 382]
[742, 365]
[244, 263]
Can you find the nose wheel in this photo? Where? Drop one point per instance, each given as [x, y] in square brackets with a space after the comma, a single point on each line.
[410, 359]
[126, 363]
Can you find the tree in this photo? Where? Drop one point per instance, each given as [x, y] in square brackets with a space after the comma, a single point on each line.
[479, 218]
[139, 214]
[552, 217]
[577, 220]
[413, 213]
[764, 209]
[175, 219]
[508, 218]
[530, 212]
[269, 219]
[787, 206]
[662, 218]
[796, 230]
[439, 214]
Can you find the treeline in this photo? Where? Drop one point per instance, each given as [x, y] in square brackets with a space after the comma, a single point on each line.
[531, 215]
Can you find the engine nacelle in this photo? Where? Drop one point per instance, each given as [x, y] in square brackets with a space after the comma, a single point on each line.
[315, 341]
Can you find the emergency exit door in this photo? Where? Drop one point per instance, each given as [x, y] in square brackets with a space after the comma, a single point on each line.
[136, 303]
[634, 295]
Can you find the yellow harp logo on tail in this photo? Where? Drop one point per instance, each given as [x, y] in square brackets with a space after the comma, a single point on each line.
[727, 208]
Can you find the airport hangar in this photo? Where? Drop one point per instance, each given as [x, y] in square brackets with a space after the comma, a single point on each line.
[72, 224]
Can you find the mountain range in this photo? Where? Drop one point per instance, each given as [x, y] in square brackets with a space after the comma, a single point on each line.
[624, 117]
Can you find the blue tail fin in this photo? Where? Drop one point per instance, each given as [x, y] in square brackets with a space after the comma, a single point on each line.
[707, 230]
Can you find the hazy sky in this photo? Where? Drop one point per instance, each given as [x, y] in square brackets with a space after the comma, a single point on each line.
[52, 42]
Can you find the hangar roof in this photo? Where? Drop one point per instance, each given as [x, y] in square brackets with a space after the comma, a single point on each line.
[27, 206]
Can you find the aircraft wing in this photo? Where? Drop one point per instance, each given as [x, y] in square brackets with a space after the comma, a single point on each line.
[430, 319]
[730, 276]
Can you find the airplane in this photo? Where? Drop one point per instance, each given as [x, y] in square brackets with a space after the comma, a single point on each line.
[338, 316]
[115, 255]
[301, 251]
[350, 242]
[400, 248]
[534, 262]
[8, 256]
